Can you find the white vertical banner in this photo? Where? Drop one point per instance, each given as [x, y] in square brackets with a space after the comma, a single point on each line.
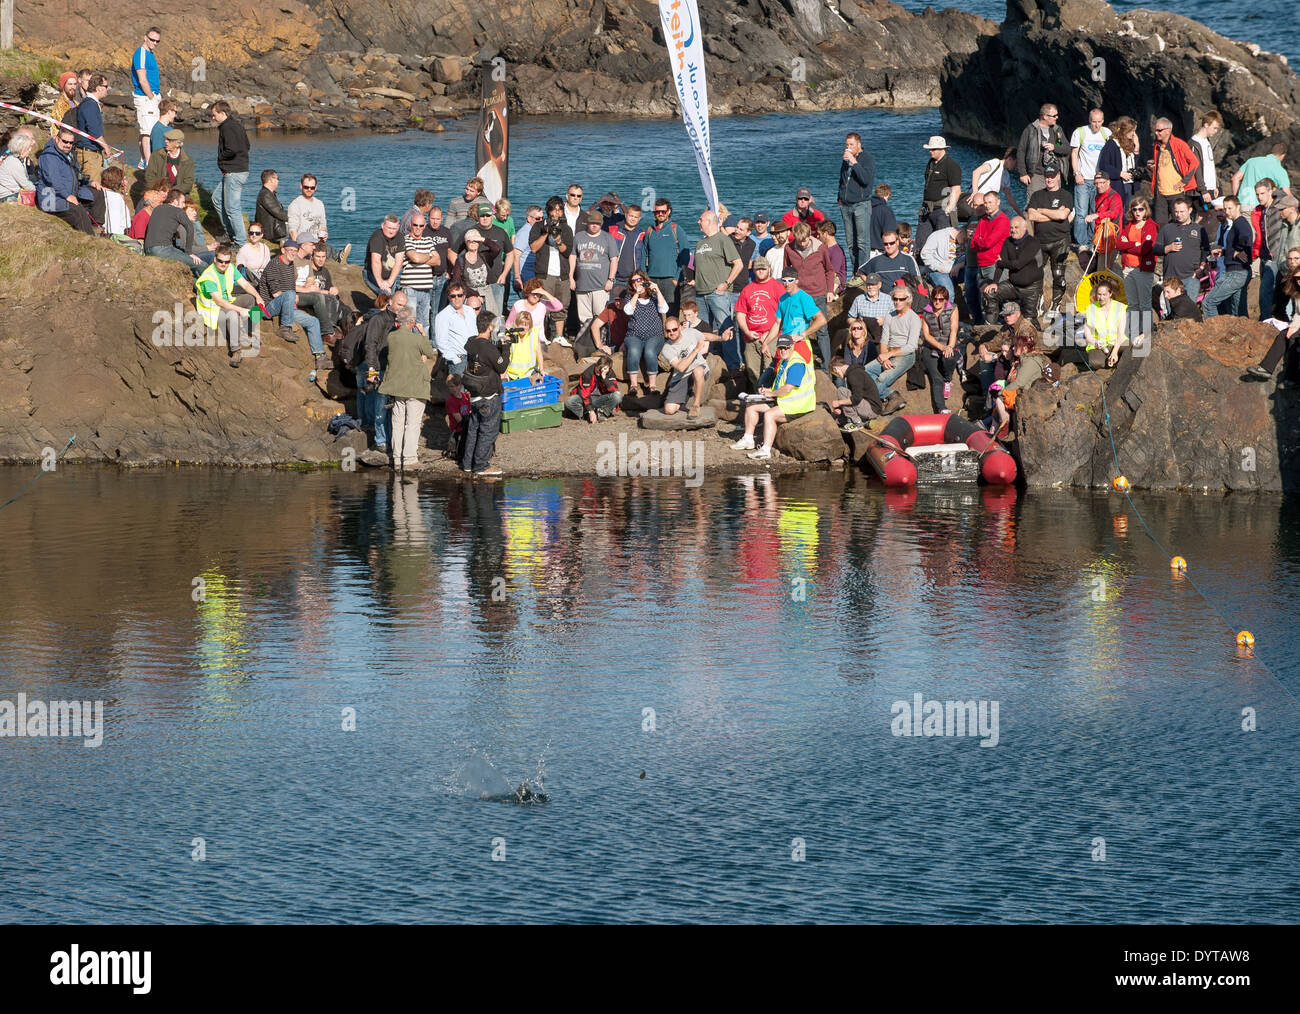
[685, 39]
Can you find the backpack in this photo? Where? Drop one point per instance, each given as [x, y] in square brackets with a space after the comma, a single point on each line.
[478, 377]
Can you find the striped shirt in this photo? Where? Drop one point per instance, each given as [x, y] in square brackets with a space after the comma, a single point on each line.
[418, 276]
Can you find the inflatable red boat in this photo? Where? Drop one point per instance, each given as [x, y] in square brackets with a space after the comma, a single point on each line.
[897, 469]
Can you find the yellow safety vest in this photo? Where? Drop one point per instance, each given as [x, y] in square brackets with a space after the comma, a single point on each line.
[804, 397]
[523, 357]
[1103, 325]
[223, 284]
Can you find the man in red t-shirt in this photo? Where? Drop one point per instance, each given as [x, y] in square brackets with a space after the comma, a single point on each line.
[803, 211]
[756, 317]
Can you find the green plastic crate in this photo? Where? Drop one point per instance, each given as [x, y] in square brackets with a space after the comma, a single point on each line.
[540, 417]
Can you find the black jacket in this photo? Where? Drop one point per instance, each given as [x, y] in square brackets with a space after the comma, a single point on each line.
[378, 327]
[484, 359]
[1029, 152]
[857, 182]
[862, 387]
[1021, 262]
[270, 215]
[232, 146]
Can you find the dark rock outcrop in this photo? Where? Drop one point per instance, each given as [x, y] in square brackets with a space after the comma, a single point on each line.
[1081, 54]
[1183, 417]
[333, 64]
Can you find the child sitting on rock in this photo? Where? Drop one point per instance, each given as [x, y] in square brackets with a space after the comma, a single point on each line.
[596, 393]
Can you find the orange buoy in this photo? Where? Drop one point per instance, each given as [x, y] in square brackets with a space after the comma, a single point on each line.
[1178, 563]
[1120, 483]
[1246, 639]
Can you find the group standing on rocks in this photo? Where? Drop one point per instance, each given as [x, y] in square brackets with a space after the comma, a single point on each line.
[472, 295]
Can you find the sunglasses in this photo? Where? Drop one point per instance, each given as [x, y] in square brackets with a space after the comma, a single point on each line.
[155, 41]
[307, 189]
[457, 295]
[222, 263]
[671, 330]
[661, 211]
[901, 299]
[251, 233]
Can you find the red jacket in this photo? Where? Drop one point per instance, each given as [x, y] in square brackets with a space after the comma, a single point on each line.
[591, 384]
[1137, 247]
[989, 236]
[1186, 161]
[816, 276]
[814, 218]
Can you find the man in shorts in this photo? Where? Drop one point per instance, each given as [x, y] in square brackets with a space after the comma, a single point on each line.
[145, 87]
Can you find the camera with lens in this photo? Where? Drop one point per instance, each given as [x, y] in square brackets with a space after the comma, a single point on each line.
[553, 227]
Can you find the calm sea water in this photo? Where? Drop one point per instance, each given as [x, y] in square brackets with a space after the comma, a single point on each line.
[489, 636]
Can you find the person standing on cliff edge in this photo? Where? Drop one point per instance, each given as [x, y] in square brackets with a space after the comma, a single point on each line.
[146, 88]
[232, 160]
[942, 190]
[1042, 145]
[857, 181]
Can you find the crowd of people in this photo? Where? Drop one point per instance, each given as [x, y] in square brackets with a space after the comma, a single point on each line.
[971, 291]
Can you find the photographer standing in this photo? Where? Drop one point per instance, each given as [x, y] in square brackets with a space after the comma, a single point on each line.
[484, 365]
[551, 240]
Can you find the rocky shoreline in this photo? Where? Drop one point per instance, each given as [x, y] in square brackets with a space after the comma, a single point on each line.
[80, 354]
[328, 65]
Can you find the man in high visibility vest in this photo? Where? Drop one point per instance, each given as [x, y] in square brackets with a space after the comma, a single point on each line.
[787, 390]
[221, 308]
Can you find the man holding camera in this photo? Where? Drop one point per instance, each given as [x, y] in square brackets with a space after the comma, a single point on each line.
[551, 240]
[484, 365]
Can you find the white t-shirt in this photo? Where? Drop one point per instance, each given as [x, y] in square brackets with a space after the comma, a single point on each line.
[993, 184]
[1207, 161]
[1089, 145]
[116, 218]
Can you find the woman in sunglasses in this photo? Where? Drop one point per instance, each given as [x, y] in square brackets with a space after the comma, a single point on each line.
[644, 306]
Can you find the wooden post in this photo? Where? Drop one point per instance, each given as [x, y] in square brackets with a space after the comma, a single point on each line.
[6, 24]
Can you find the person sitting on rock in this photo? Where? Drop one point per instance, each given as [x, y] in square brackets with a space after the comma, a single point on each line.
[1025, 365]
[317, 293]
[170, 234]
[899, 342]
[279, 288]
[1178, 304]
[13, 167]
[200, 246]
[457, 409]
[167, 110]
[117, 214]
[1017, 273]
[269, 213]
[596, 393]
[170, 164]
[940, 349]
[58, 190]
[149, 200]
[790, 385]
[859, 398]
[221, 307]
[687, 352]
[872, 306]
[255, 255]
[1104, 326]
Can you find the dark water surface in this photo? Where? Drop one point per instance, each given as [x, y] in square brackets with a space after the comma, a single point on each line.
[492, 636]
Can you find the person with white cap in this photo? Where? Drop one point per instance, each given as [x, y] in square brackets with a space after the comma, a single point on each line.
[942, 190]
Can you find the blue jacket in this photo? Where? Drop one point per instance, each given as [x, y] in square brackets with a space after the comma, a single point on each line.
[882, 221]
[857, 182]
[90, 118]
[56, 180]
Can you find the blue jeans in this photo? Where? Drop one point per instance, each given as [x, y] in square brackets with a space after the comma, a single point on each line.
[857, 233]
[172, 254]
[496, 297]
[457, 365]
[420, 301]
[373, 285]
[945, 280]
[1083, 195]
[1226, 289]
[883, 379]
[372, 407]
[823, 335]
[227, 199]
[1267, 283]
[286, 305]
[971, 290]
[637, 351]
[717, 310]
[481, 431]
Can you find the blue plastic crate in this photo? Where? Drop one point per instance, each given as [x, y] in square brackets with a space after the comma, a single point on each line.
[523, 393]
